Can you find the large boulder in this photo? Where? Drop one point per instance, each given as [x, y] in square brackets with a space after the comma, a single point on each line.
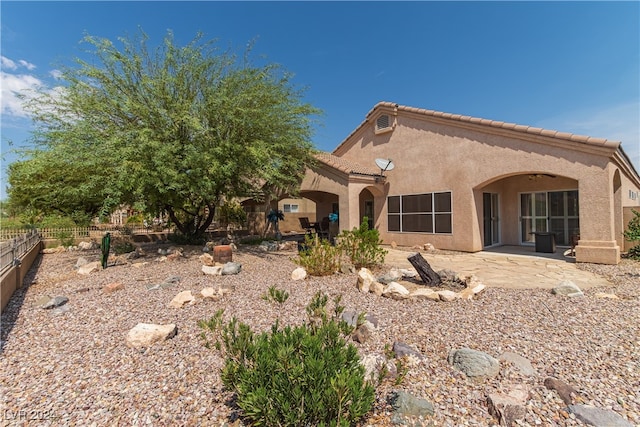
[89, 268]
[510, 407]
[567, 288]
[593, 416]
[365, 279]
[396, 291]
[147, 334]
[231, 268]
[184, 297]
[212, 270]
[474, 364]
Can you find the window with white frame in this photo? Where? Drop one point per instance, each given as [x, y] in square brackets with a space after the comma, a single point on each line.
[420, 213]
[291, 208]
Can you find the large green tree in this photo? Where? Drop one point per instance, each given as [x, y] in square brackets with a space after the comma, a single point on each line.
[173, 128]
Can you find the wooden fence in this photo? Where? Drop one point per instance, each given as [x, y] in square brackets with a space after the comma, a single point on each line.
[79, 232]
[11, 250]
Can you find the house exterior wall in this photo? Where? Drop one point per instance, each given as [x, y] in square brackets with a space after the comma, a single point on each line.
[433, 155]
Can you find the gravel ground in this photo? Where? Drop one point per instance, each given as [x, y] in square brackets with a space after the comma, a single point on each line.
[74, 368]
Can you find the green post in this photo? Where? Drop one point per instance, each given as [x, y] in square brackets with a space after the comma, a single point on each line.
[106, 243]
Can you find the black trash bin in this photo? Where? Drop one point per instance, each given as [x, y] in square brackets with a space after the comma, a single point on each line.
[545, 242]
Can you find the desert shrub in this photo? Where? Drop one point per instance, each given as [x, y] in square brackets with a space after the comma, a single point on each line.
[319, 257]
[632, 234]
[232, 214]
[123, 247]
[634, 252]
[65, 237]
[362, 245]
[294, 376]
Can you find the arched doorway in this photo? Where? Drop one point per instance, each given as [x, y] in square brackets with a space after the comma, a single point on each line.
[367, 208]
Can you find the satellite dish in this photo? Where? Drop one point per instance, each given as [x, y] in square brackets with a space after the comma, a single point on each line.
[385, 165]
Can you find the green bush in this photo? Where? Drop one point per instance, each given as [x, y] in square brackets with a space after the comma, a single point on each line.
[632, 234]
[362, 246]
[294, 376]
[65, 237]
[634, 252]
[319, 257]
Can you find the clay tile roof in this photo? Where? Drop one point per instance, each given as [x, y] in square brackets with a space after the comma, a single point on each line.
[346, 166]
[496, 124]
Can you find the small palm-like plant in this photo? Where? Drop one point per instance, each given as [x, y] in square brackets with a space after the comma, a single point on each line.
[274, 217]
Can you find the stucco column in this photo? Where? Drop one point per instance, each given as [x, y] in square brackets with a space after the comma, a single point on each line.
[597, 243]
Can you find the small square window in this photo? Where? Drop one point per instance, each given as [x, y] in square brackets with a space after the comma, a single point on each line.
[290, 208]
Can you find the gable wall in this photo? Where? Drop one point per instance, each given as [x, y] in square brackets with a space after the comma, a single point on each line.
[431, 155]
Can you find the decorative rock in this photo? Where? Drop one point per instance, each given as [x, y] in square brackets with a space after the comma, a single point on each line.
[146, 334]
[401, 349]
[448, 275]
[231, 268]
[605, 295]
[55, 302]
[407, 405]
[112, 287]
[61, 310]
[268, 246]
[350, 318]
[212, 271]
[373, 364]
[174, 256]
[172, 279]
[408, 274]
[523, 365]
[365, 279]
[57, 250]
[428, 247]
[593, 416]
[392, 276]
[42, 300]
[564, 390]
[425, 293]
[184, 297]
[361, 334]
[474, 364]
[377, 288]
[87, 246]
[90, 268]
[299, 274]
[471, 290]
[567, 288]
[80, 262]
[207, 259]
[396, 291]
[394, 244]
[508, 408]
[447, 295]
[210, 293]
[139, 264]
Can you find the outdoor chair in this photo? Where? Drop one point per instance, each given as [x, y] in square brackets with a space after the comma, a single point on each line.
[306, 225]
[323, 228]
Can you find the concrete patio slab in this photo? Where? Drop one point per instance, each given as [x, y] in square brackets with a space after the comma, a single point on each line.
[512, 267]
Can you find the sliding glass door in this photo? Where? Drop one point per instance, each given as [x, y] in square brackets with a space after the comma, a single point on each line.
[554, 211]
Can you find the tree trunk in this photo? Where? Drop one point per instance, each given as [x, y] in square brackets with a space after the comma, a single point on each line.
[428, 276]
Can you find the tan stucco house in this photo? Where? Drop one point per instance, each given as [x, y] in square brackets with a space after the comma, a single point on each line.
[466, 183]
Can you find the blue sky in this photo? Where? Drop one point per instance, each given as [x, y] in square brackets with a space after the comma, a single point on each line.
[568, 66]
